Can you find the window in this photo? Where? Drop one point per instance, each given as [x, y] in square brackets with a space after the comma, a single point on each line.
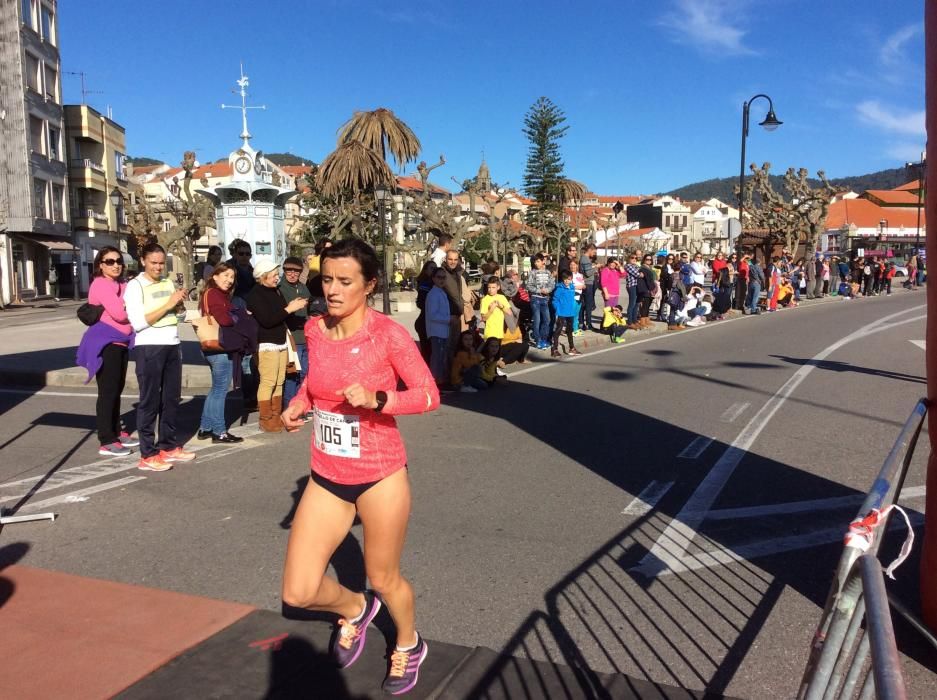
[52, 84]
[166, 226]
[40, 200]
[29, 17]
[58, 198]
[48, 25]
[54, 149]
[119, 166]
[667, 220]
[36, 140]
[684, 221]
[32, 73]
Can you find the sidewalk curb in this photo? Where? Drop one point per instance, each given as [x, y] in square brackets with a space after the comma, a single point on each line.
[198, 377]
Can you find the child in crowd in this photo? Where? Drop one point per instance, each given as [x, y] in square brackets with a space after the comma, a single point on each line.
[491, 362]
[579, 284]
[466, 366]
[564, 304]
[513, 346]
[846, 290]
[437, 314]
[493, 308]
[614, 323]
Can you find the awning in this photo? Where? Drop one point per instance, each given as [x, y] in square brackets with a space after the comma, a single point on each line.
[50, 243]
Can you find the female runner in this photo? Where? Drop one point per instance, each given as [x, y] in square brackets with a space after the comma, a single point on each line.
[358, 461]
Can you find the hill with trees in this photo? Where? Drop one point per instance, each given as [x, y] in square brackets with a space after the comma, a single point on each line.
[722, 188]
[143, 161]
[282, 159]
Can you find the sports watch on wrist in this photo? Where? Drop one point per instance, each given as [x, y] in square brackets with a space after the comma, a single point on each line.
[381, 398]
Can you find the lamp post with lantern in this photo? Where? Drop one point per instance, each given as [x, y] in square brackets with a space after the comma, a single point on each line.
[380, 194]
[770, 123]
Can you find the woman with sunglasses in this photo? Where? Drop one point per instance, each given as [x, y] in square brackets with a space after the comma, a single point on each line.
[667, 272]
[107, 290]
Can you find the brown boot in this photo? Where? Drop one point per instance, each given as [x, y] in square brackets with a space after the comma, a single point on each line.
[264, 417]
[277, 403]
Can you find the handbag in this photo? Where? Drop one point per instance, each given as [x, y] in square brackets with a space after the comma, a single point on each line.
[293, 365]
[207, 331]
[89, 314]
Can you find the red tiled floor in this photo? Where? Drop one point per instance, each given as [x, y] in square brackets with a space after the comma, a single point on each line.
[75, 637]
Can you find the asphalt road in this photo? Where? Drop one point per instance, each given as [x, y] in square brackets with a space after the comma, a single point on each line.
[579, 514]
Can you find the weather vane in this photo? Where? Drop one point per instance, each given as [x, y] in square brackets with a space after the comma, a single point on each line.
[242, 84]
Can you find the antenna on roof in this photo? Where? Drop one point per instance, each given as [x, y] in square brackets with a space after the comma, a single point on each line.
[84, 91]
[242, 84]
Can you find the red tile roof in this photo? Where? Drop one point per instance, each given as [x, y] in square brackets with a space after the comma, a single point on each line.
[144, 169]
[296, 170]
[414, 184]
[864, 213]
[625, 199]
[913, 185]
[893, 197]
[212, 170]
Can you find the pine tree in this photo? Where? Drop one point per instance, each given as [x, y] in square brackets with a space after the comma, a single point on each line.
[544, 170]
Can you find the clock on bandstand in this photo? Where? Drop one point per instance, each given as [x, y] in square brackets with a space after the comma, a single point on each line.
[250, 207]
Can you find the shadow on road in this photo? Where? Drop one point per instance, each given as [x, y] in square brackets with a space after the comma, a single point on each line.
[835, 366]
[692, 628]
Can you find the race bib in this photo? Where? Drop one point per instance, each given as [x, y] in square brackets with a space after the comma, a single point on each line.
[336, 434]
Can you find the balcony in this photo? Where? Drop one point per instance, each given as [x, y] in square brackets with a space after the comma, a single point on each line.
[87, 163]
[84, 172]
[90, 219]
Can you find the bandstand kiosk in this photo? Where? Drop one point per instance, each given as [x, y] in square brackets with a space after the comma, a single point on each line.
[252, 205]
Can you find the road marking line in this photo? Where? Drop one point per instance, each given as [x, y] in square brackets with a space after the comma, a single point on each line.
[68, 497]
[681, 530]
[696, 447]
[920, 343]
[648, 499]
[733, 412]
[721, 556]
[813, 505]
[110, 467]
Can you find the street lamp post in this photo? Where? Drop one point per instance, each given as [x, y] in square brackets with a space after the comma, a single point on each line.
[380, 194]
[922, 179]
[770, 123]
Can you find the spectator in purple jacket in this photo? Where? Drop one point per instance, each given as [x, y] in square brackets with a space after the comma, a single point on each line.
[107, 290]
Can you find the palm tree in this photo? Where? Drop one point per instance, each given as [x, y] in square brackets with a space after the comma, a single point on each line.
[353, 168]
[381, 131]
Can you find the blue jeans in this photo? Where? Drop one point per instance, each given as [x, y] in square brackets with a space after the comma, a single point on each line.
[540, 326]
[754, 296]
[632, 305]
[293, 381]
[213, 410]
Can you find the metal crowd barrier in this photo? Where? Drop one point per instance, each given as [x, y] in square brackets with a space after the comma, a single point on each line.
[845, 656]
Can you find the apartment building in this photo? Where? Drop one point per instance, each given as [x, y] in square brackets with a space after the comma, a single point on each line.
[668, 214]
[98, 185]
[34, 217]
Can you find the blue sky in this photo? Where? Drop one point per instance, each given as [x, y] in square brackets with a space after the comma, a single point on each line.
[653, 91]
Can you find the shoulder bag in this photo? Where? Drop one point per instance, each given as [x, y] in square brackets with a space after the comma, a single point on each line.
[206, 328]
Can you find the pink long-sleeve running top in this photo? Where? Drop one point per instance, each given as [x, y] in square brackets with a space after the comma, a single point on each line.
[359, 445]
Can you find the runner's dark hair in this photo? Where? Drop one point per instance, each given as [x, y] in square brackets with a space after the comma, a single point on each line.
[358, 250]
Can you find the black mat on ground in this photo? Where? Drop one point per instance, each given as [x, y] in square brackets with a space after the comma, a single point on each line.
[486, 675]
[265, 655]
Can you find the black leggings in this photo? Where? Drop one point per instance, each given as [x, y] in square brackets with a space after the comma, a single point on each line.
[644, 307]
[561, 323]
[514, 352]
[110, 379]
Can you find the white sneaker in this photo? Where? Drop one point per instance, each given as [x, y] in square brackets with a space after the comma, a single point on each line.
[468, 389]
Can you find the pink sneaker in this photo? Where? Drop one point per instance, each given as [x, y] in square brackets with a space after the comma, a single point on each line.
[177, 455]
